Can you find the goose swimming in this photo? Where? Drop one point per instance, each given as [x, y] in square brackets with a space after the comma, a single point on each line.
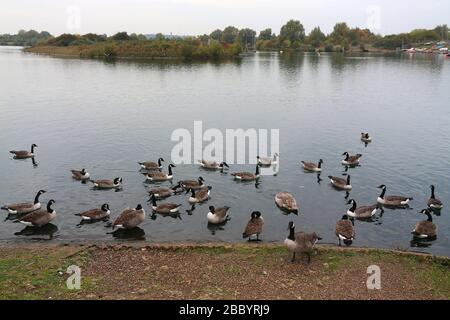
[150, 165]
[80, 174]
[312, 167]
[247, 176]
[26, 207]
[157, 176]
[217, 215]
[22, 154]
[40, 217]
[351, 160]
[392, 201]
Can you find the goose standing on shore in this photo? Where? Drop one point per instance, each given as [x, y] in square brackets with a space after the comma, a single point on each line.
[341, 183]
[217, 215]
[22, 154]
[95, 214]
[392, 201]
[150, 165]
[286, 202]
[201, 195]
[268, 161]
[254, 227]
[363, 212]
[130, 218]
[40, 217]
[300, 242]
[81, 175]
[345, 231]
[351, 160]
[247, 176]
[425, 229]
[107, 184]
[157, 176]
[26, 207]
[312, 167]
[213, 165]
[433, 202]
[164, 208]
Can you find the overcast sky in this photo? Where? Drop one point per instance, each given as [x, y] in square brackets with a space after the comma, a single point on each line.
[203, 16]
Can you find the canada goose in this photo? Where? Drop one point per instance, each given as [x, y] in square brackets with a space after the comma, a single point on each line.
[247, 176]
[192, 184]
[130, 218]
[363, 212]
[268, 161]
[286, 201]
[165, 208]
[80, 174]
[150, 165]
[40, 217]
[95, 214]
[254, 226]
[217, 215]
[300, 242]
[22, 154]
[351, 160]
[433, 202]
[212, 165]
[27, 207]
[425, 229]
[365, 137]
[107, 184]
[200, 196]
[341, 183]
[309, 166]
[157, 176]
[163, 192]
[345, 231]
[392, 201]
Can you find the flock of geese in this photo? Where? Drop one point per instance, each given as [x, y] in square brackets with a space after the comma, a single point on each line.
[32, 215]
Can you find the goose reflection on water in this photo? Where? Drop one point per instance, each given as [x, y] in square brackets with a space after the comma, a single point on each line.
[129, 234]
[47, 230]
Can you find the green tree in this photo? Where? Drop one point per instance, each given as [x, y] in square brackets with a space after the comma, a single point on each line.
[246, 37]
[442, 31]
[340, 33]
[316, 37]
[216, 34]
[293, 31]
[266, 34]
[121, 36]
[229, 34]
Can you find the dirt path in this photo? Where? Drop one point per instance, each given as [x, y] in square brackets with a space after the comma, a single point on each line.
[217, 272]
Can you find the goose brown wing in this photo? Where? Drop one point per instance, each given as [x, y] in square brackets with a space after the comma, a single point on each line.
[345, 228]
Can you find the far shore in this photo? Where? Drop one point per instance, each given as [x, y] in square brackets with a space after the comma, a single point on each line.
[138, 270]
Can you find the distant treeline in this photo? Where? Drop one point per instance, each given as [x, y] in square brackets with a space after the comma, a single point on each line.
[225, 43]
[24, 38]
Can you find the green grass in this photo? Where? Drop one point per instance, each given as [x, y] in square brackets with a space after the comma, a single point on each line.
[27, 274]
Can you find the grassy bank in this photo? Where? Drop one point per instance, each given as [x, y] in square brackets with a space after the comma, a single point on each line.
[142, 49]
[217, 272]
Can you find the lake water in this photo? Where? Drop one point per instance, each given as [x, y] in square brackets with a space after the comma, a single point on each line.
[106, 116]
